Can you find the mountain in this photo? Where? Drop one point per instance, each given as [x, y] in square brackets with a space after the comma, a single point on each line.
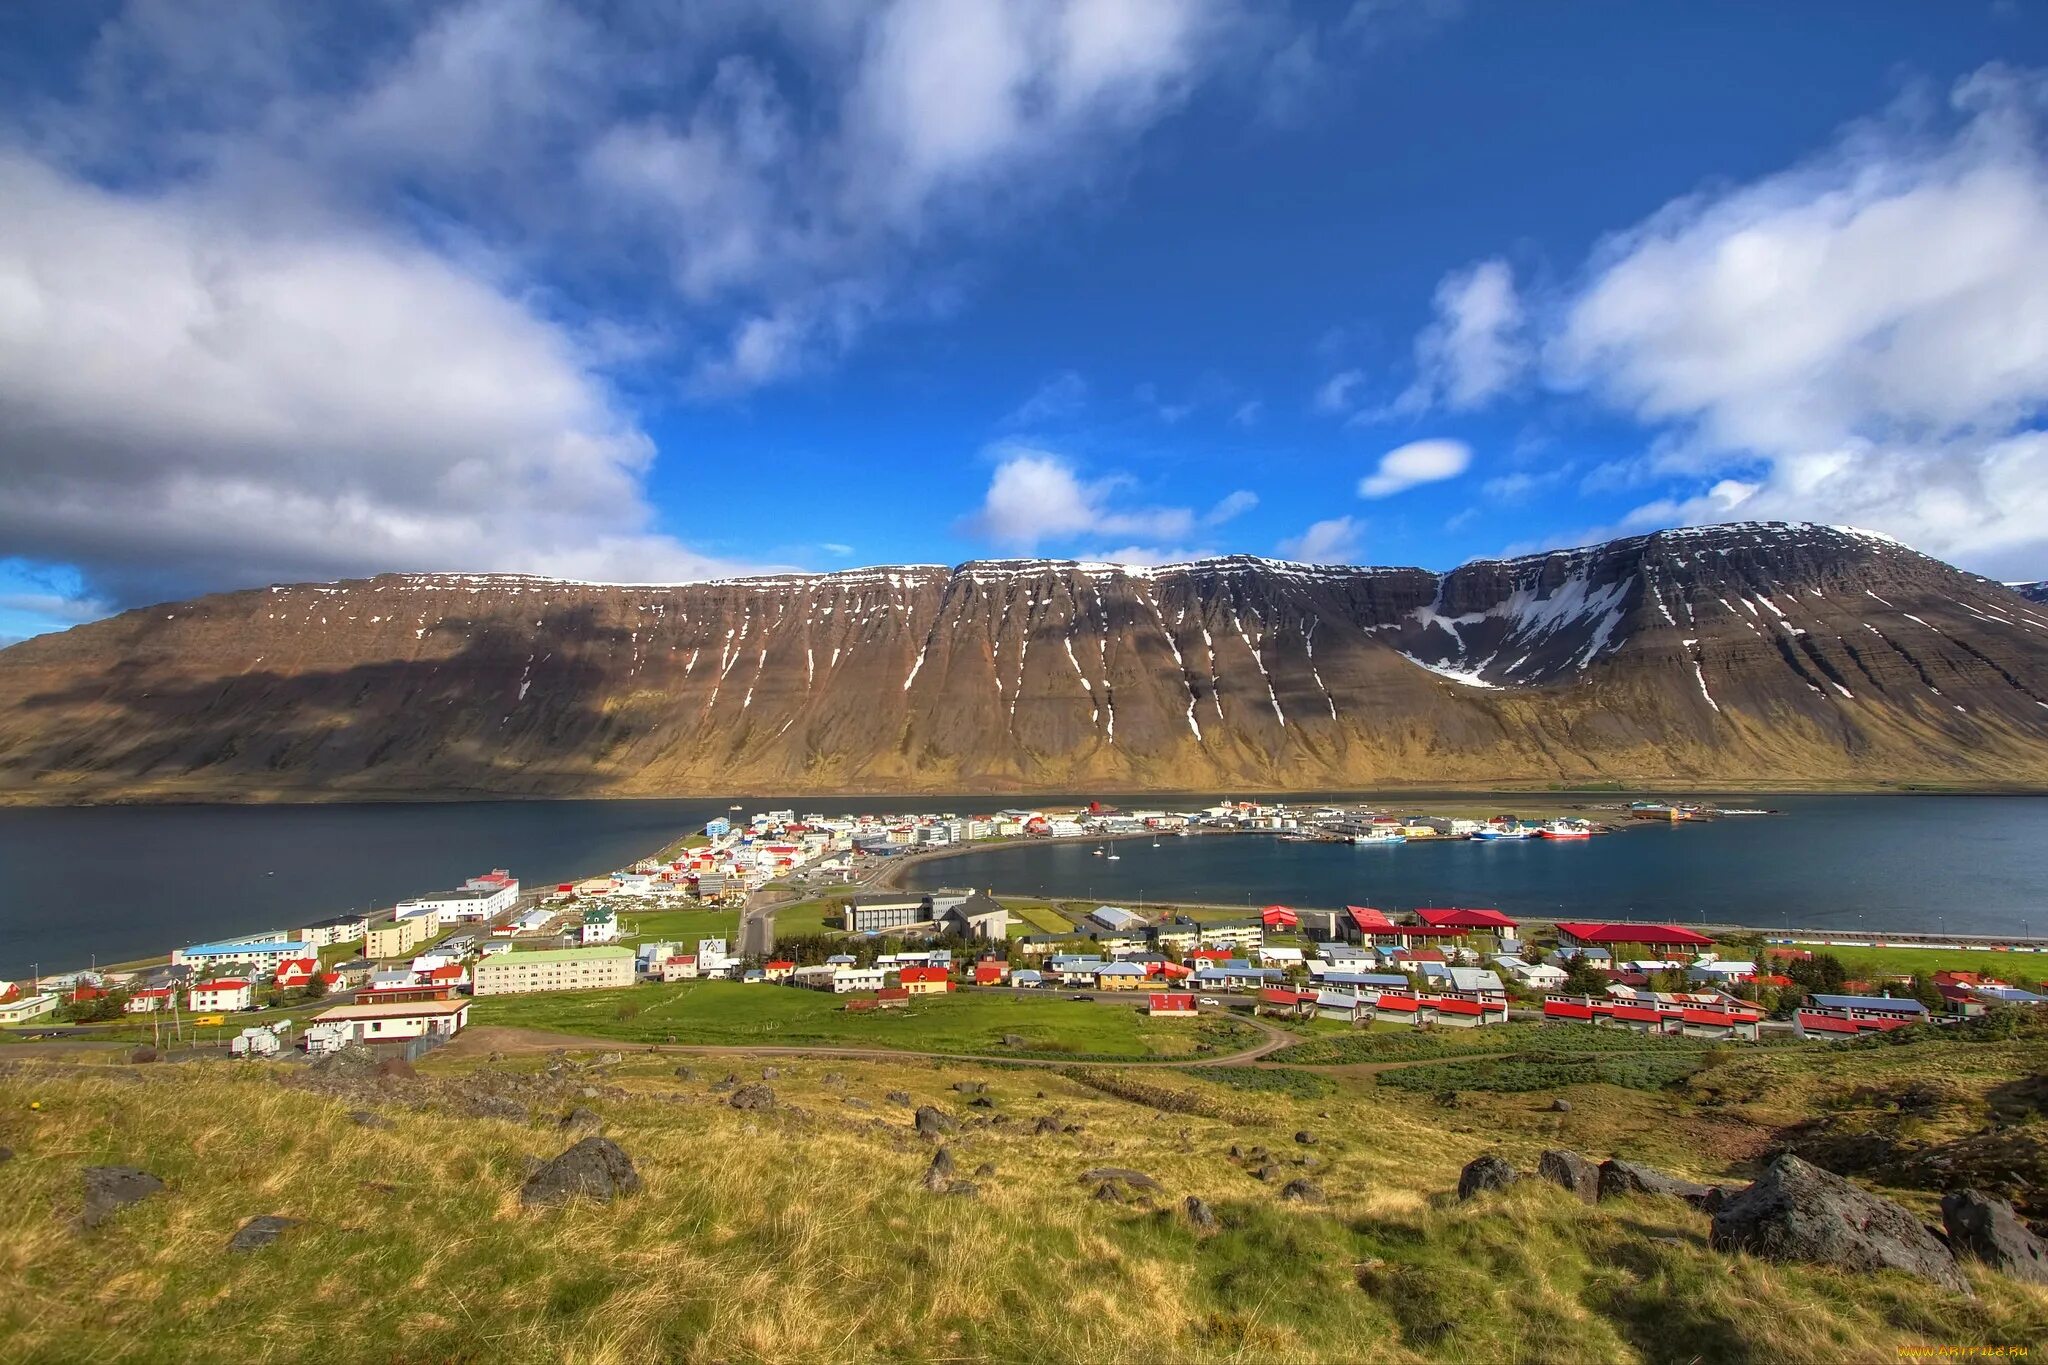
[2033, 592]
[1745, 653]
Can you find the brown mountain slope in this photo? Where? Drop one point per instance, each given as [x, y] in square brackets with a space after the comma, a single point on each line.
[1744, 653]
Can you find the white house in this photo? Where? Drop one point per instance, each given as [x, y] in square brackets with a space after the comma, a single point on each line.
[221, 996]
[327, 933]
[27, 1008]
[1541, 976]
[400, 1022]
[600, 926]
[849, 979]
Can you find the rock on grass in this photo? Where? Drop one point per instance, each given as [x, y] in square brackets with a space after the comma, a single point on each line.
[595, 1168]
[260, 1232]
[1485, 1173]
[109, 1189]
[1985, 1227]
[1799, 1212]
[1570, 1171]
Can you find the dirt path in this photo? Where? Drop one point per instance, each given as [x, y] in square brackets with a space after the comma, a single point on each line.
[485, 1039]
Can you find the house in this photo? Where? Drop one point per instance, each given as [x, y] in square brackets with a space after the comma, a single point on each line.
[1341, 1005]
[991, 971]
[847, 980]
[329, 933]
[1722, 973]
[1169, 972]
[1121, 976]
[1236, 934]
[1476, 982]
[449, 976]
[1467, 1012]
[1171, 1006]
[1038, 945]
[1655, 940]
[1176, 937]
[1363, 924]
[1879, 1007]
[1538, 976]
[150, 999]
[1282, 1001]
[1116, 919]
[1025, 979]
[391, 937]
[677, 967]
[925, 980]
[1279, 917]
[559, 969]
[24, 1008]
[1490, 924]
[1394, 1008]
[978, 916]
[261, 953]
[600, 926]
[779, 970]
[221, 996]
[1075, 971]
[890, 998]
[295, 973]
[872, 914]
[1280, 957]
[398, 1022]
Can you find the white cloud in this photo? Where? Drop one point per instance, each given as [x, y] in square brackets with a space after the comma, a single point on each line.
[1230, 506]
[194, 399]
[1061, 396]
[1147, 556]
[1335, 393]
[1335, 541]
[1248, 413]
[1859, 337]
[1036, 496]
[1418, 462]
[1475, 348]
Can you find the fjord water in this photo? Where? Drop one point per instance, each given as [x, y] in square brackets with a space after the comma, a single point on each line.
[124, 882]
[1933, 864]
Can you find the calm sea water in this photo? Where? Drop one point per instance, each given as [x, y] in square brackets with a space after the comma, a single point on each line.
[1947, 864]
[123, 882]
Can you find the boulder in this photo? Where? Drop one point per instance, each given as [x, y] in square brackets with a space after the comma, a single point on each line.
[1303, 1192]
[1199, 1213]
[721, 1086]
[1799, 1212]
[1305, 1138]
[771, 1073]
[931, 1123]
[939, 1175]
[1618, 1178]
[898, 1097]
[970, 1087]
[143, 1055]
[580, 1117]
[499, 1107]
[1568, 1170]
[595, 1168]
[685, 1073]
[985, 1169]
[1046, 1124]
[260, 1232]
[752, 1097]
[981, 1102]
[109, 1189]
[1560, 1106]
[1985, 1227]
[1485, 1173]
[1136, 1180]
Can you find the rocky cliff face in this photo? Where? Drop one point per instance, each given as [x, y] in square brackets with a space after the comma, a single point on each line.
[1742, 653]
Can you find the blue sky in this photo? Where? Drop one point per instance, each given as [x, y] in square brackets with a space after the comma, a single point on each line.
[609, 292]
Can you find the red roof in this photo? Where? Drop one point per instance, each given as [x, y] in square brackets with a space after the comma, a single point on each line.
[1400, 1004]
[1451, 1005]
[778, 965]
[1274, 915]
[1662, 934]
[1369, 920]
[1210, 955]
[1420, 955]
[1711, 1017]
[1825, 1023]
[451, 972]
[1566, 1009]
[910, 974]
[1280, 995]
[892, 993]
[222, 986]
[1637, 1014]
[1172, 1002]
[1169, 970]
[566, 886]
[1466, 919]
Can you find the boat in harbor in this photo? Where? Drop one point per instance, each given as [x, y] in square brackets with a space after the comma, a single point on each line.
[1379, 837]
[1564, 829]
[1100, 852]
[1513, 830]
[1115, 857]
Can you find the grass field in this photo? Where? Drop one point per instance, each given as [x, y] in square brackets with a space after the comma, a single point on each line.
[1906, 961]
[1040, 916]
[723, 1013]
[1402, 1042]
[801, 1233]
[684, 926]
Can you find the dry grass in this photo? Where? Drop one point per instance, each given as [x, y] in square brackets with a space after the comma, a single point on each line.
[802, 1233]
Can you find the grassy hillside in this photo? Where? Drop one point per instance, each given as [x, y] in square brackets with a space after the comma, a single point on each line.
[801, 1233]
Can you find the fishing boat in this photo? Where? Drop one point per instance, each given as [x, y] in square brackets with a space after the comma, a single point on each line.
[1563, 829]
[1379, 837]
[1490, 833]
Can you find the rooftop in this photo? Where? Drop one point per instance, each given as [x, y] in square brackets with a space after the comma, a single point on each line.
[526, 959]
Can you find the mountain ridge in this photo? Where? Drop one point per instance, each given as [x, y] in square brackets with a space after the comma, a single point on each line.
[1750, 652]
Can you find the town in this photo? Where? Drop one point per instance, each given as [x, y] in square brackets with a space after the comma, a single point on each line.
[405, 978]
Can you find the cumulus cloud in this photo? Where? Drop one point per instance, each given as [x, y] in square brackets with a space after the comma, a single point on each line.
[1857, 339]
[1416, 463]
[305, 295]
[1037, 497]
[1474, 349]
[1334, 541]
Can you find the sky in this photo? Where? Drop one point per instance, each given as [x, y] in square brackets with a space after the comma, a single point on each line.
[635, 292]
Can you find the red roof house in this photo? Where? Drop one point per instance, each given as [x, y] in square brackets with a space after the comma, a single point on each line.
[1280, 917]
[1590, 934]
[1492, 921]
[1171, 1005]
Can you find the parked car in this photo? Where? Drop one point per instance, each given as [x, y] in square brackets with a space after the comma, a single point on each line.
[1209, 1000]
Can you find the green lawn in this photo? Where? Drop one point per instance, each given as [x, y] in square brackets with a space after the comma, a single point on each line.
[1905, 961]
[1040, 917]
[723, 1013]
[806, 919]
[683, 926]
